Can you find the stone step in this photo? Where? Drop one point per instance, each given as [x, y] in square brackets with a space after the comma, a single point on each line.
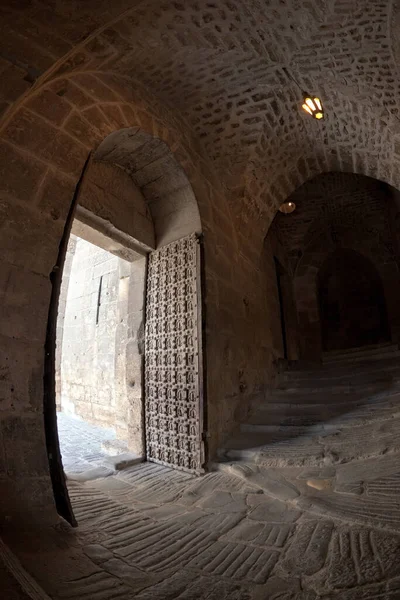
[346, 387]
[334, 372]
[323, 420]
[280, 398]
[331, 414]
[298, 429]
[359, 349]
[376, 355]
[273, 414]
[303, 403]
[364, 361]
[272, 483]
[292, 400]
[290, 443]
[356, 387]
[246, 446]
[295, 446]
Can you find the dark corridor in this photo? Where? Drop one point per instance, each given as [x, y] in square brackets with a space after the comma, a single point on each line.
[352, 302]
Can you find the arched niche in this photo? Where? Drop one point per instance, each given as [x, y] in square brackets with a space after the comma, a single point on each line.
[306, 285]
[352, 303]
[154, 170]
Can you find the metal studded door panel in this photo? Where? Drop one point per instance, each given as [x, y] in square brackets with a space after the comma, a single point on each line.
[173, 369]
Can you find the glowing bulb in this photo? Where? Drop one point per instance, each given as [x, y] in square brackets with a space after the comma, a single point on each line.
[287, 207]
[313, 106]
[310, 104]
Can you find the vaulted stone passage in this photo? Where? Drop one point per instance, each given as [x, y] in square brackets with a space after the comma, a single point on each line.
[191, 114]
[347, 220]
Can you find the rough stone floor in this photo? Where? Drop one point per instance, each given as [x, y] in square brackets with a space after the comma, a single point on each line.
[155, 534]
[320, 528]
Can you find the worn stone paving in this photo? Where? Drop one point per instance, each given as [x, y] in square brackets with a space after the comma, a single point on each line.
[248, 530]
[314, 514]
[149, 532]
[157, 533]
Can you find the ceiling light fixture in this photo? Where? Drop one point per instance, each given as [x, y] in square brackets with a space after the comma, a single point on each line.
[313, 106]
[287, 207]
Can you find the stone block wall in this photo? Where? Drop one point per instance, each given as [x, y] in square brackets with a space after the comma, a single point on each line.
[129, 354]
[100, 340]
[109, 193]
[88, 343]
[62, 304]
[274, 249]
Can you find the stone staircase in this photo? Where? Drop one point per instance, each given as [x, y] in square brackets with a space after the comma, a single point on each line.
[345, 409]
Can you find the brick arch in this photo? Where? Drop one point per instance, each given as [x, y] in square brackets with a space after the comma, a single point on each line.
[47, 138]
[74, 112]
[306, 288]
[163, 183]
[44, 144]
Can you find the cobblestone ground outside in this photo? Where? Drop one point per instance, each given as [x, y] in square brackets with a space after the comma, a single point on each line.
[80, 443]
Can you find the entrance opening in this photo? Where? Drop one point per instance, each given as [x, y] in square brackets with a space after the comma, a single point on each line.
[133, 200]
[352, 302]
[100, 337]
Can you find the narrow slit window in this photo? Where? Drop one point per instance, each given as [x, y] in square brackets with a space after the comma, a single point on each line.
[99, 300]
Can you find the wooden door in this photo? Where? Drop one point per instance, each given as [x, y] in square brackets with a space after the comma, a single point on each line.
[173, 357]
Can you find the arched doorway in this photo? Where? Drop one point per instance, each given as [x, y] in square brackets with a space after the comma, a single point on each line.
[136, 200]
[352, 302]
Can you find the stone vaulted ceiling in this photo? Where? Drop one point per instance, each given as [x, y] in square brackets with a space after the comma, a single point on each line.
[330, 203]
[220, 69]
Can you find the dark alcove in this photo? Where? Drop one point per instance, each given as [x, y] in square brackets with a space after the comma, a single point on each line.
[352, 302]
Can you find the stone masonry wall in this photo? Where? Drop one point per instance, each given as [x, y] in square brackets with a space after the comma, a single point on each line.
[62, 303]
[129, 356]
[88, 376]
[109, 193]
[274, 248]
[100, 365]
[36, 189]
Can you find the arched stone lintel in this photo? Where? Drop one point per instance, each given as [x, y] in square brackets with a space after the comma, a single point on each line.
[159, 177]
[100, 232]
